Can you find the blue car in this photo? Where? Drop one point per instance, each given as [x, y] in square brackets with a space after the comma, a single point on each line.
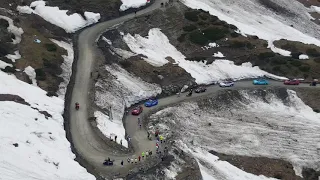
[260, 82]
[151, 102]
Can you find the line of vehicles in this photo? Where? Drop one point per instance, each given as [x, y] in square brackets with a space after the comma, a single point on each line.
[153, 101]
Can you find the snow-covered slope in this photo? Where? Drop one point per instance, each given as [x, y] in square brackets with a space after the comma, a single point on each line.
[127, 4]
[70, 23]
[277, 125]
[292, 22]
[121, 90]
[33, 142]
[156, 47]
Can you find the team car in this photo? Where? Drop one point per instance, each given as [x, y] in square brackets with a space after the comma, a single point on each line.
[291, 82]
[200, 89]
[137, 110]
[226, 84]
[260, 82]
[151, 102]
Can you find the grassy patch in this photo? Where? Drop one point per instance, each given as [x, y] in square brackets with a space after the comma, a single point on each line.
[265, 55]
[192, 15]
[317, 60]
[241, 44]
[189, 28]
[295, 63]
[312, 52]
[182, 38]
[51, 47]
[198, 38]
[40, 74]
[304, 68]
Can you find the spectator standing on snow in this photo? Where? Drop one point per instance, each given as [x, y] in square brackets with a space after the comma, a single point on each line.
[161, 138]
[122, 163]
[136, 160]
[115, 138]
[139, 158]
[143, 154]
[147, 154]
[128, 160]
[121, 142]
[132, 160]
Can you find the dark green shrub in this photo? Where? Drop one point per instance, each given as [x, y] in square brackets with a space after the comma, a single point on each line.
[317, 60]
[189, 28]
[304, 68]
[182, 37]
[316, 110]
[296, 63]
[204, 16]
[214, 18]
[50, 65]
[265, 55]
[202, 23]
[295, 55]
[192, 15]
[233, 27]
[40, 74]
[51, 47]
[255, 37]
[9, 69]
[276, 69]
[198, 38]
[215, 33]
[241, 44]
[312, 52]
[278, 61]
[196, 58]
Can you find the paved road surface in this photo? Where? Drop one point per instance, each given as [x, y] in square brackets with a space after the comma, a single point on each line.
[87, 143]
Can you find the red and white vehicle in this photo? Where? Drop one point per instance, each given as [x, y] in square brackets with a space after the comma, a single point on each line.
[291, 82]
[137, 110]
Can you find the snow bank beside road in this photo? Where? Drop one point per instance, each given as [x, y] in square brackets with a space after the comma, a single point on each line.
[255, 126]
[70, 23]
[66, 66]
[157, 47]
[121, 90]
[127, 4]
[42, 151]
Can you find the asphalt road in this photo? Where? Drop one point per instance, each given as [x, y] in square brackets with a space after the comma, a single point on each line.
[87, 143]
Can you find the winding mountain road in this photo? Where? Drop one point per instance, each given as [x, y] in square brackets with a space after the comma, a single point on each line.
[88, 144]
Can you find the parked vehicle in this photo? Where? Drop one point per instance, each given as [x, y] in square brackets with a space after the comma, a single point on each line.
[200, 89]
[151, 102]
[291, 82]
[313, 83]
[260, 82]
[226, 84]
[137, 110]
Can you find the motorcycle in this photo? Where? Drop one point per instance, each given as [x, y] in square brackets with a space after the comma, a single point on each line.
[313, 84]
[108, 163]
[77, 106]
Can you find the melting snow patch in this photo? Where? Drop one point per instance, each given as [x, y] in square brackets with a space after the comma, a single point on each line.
[4, 64]
[14, 56]
[66, 66]
[126, 4]
[107, 40]
[218, 54]
[157, 47]
[303, 57]
[278, 50]
[70, 23]
[32, 74]
[213, 45]
[13, 29]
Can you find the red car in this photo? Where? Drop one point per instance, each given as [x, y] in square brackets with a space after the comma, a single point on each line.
[291, 82]
[137, 110]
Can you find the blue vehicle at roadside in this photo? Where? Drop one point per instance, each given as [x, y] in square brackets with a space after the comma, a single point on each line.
[260, 82]
[151, 102]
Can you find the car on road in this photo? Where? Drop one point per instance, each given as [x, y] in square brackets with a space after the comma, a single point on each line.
[291, 82]
[260, 82]
[200, 89]
[226, 84]
[137, 110]
[151, 102]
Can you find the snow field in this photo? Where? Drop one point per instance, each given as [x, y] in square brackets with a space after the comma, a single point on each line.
[120, 91]
[252, 18]
[70, 23]
[43, 151]
[14, 56]
[255, 126]
[127, 4]
[157, 47]
[66, 66]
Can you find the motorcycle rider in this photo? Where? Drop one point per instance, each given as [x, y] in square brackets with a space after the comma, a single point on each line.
[77, 105]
